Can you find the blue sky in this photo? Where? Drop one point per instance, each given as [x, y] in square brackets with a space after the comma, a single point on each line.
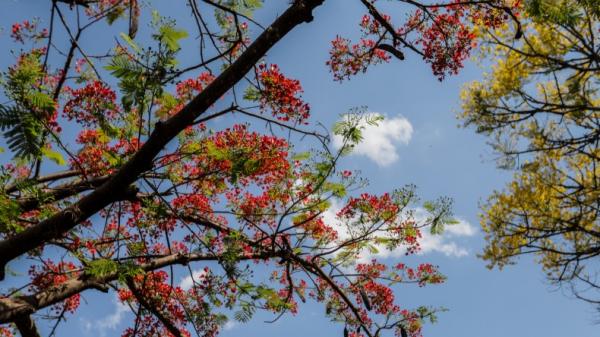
[419, 143]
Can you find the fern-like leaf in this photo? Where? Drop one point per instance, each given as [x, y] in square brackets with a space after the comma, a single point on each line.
[22, 131]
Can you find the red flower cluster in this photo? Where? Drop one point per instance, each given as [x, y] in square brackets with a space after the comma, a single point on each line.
[253, 157]
[97, 157]
[180, 307]
[27, 30]
[164, 297]
[91, 155]
[346, 61]
[445, 39]
[281, 95]
[319, 230]
[371, 26]
[17, 172]
[371, 270]
[192, 203]
[5, 332]
[91, 104]
[51, 274]
[380, 296]
[371, 208]
[442, 32]
[186, 90]
[427, 273]
[412, 324]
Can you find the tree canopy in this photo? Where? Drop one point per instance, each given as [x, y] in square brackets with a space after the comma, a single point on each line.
[540, 108]
[116, 179]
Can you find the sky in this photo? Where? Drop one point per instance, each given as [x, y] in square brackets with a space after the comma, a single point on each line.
[418, 143]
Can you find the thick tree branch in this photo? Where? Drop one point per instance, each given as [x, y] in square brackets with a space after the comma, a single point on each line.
[60, 193]
[48, 178]
[59, 224]
[26, 326]
[13, 308]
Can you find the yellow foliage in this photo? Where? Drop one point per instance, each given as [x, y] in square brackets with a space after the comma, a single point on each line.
[540, 107]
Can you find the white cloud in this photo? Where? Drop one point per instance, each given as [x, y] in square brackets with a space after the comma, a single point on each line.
[111, 322]
[379, 142]
[229, 325]
[445, 243]
[188, 281]
[462, 228]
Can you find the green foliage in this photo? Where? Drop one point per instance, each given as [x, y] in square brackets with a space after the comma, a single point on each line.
[102, 267]
[9, 211]
[337, 189]
[351, 126]
[114, 14]
[129, 73]
[22, 131]
[561, 12]
[142, 72]
[32, 105]
[245, 313]
[440, 212]
[54, 156]
[251, 94]
[244, 7]
[171, 36]
[301, 156]
[130, 42]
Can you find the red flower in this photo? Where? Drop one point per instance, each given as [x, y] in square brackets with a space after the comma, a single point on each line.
[281, 95]
[346, 61]
[92, 104]
[51, 274]
[27, 30]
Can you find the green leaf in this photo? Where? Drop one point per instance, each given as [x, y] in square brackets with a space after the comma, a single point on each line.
[155, 17]
[114, 14]
[102, 267]
[121, 66]
[22, 131]
[41, 101]
[130, 42]
[215, 152]
[338, 189]
[245, 314]
[171, 36]
[373, 249]
[251, 94]
[301, 156]
[54, 156]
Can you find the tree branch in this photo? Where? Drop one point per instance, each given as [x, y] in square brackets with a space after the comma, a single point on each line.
[26, 326]
[14, 307]
[153, 310]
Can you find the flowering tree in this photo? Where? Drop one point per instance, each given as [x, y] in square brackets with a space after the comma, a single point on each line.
[118, 182]
[540, 107]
